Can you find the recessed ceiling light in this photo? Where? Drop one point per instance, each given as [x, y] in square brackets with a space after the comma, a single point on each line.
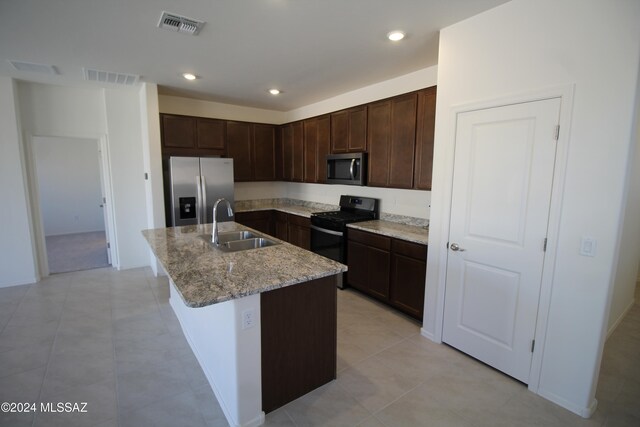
[395, 36]
[189, 76]
[274, 91]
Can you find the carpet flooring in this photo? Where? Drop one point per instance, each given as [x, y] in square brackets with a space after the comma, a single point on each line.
[78, 251]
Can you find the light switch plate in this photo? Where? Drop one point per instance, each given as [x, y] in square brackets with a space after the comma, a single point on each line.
[588, 246]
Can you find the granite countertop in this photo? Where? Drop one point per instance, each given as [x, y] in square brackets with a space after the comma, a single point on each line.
[411, 233]
[299, 208]
[205, 275]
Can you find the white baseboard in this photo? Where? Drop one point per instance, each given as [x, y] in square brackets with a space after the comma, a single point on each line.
[584, 412]
[429, 335]
[620, 318]
[21, 282]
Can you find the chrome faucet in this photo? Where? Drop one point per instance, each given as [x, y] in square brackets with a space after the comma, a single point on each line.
[214, 233]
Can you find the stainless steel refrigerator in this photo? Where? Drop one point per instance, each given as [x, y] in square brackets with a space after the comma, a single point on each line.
[196, 184]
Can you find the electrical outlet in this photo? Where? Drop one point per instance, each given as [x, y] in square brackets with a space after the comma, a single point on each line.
[588, 246]
[248, 318]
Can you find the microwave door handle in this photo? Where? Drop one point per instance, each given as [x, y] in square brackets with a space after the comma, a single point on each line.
[352, 169]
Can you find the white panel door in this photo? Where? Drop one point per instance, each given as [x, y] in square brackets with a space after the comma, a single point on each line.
[503, 173]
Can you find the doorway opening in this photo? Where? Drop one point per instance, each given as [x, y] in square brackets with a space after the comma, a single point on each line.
[72, 204]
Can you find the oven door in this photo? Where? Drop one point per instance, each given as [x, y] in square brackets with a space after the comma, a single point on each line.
[328, 243]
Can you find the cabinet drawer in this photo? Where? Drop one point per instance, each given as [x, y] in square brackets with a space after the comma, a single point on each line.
[299, 220]
[410, 249]
[370, 239]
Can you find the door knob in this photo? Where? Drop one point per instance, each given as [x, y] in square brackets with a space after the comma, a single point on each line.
[456, 247]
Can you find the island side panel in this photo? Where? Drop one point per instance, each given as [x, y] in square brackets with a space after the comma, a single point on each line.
[299, 340]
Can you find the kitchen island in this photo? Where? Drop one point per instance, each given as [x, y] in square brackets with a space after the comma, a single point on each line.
[261, 322]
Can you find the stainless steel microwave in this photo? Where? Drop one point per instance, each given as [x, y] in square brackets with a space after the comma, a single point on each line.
[350, 169]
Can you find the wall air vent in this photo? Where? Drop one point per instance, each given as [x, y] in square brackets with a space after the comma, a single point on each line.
[34, 68]
[93, 75]
[180, 24]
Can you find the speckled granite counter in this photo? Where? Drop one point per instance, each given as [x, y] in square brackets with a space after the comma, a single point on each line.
[410, 233]
[205, 275]
[296, 207]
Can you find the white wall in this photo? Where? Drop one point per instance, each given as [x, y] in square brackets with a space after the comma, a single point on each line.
[124, 130]
[152, 157]
[196, 107]
[17, 255]
[622, 298]
[528, 45]
[68, 175]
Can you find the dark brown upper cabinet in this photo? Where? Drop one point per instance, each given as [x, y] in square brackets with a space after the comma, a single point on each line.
[425, 129]
[192, 136]
[293, 151]
[239, 149]
[264, 152]
[252, 146]
[391, 139]
[317, 141]
[349, 130]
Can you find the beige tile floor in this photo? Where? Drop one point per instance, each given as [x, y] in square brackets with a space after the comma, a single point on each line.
[110, 339]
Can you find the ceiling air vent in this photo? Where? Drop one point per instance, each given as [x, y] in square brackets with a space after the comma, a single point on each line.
[93, 75]
[34, 68]
[181, 24]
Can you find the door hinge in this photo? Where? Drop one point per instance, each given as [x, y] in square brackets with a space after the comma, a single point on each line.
[447, 245]
[544, 245]
[533, 345]
[108, 245]
[557, 134]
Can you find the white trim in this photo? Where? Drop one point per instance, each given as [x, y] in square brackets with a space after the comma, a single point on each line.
[107, 180]
[584, 412]
[565, 93]
[429, 335]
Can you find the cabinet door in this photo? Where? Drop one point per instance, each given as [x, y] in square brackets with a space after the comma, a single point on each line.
[378, 262]
[358, 129]
[403, 140]
[297, 173]
[178, 131]
[258, 220]
[287, 152]
[424, 138]
[340, 132]
[324, 147]
[379, 142]
[408, 272]
[299, 231]
[349, 130]
[310, 150]
[357, 263]
[211, 134]
[264, 152]
[239, 149]
[281, 225]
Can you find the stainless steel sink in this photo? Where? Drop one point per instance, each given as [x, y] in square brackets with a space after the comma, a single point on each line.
[240, 240]
[243, 245]
[228, 236]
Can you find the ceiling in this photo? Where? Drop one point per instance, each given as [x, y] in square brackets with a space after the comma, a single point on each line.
[310, 49]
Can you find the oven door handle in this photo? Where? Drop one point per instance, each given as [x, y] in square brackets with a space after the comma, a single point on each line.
[324, 230]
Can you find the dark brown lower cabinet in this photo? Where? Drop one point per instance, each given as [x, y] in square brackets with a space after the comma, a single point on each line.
[369, 261]
[299, 231]
[299, 340]
[288, 227]
[390, 270]
[408, 273]
[258, 220]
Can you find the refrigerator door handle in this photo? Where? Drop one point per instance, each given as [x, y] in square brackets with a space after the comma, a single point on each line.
[204, 200]
[198, 199]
